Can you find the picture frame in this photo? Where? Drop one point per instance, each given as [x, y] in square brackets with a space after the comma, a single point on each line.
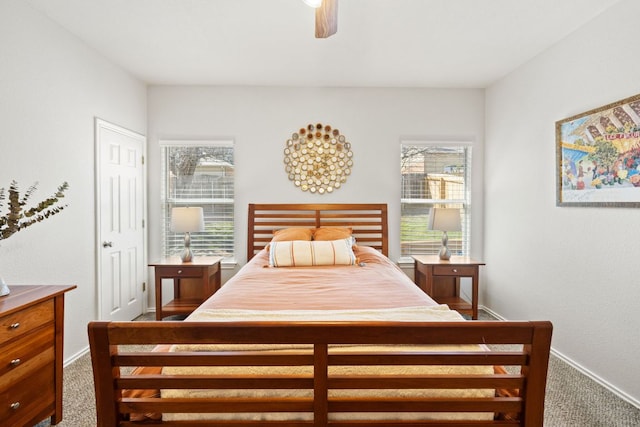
[598, 156]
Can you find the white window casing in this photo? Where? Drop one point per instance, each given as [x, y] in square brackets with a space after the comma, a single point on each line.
[434, 174]
[199, 173]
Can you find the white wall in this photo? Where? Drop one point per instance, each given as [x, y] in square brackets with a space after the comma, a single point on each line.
[260, 119]
[51, 88]
[575, 266]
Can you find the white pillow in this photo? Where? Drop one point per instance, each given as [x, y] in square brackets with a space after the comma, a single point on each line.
[299, 253]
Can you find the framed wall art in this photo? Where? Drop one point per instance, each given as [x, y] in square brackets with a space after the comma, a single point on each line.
[598, 156]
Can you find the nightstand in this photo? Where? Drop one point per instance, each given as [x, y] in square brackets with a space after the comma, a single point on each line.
[205, 271]
[441, 281]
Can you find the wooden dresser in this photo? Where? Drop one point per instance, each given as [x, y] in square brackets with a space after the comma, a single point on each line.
[31, 340]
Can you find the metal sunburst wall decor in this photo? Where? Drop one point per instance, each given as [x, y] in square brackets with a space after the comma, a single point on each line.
[318, 158]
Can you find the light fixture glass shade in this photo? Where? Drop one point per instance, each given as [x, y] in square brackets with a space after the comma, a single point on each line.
[187, 220]
[313, 3]
[444, 219]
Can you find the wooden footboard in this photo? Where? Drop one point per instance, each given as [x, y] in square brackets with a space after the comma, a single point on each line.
[333, 391]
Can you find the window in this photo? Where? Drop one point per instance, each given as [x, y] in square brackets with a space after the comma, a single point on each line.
[199, 173]
[433, 175]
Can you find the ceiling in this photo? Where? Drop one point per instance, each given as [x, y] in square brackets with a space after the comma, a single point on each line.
[382, 43]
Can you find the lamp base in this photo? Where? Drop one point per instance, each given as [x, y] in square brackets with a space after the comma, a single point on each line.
[187, 255]
[444, 253]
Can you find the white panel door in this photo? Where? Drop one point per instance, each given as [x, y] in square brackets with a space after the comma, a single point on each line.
[121, 213]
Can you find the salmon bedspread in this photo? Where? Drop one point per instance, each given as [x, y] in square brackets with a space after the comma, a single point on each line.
[373, 289]
[376, 282]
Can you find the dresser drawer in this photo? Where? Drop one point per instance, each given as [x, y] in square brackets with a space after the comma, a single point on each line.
[179, 271]
[453, 270]
[27, 352]
[24, 321]
[22, 401]
[31, 328]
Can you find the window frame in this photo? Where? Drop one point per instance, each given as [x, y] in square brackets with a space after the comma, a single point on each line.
[167, 202]
[463, 203]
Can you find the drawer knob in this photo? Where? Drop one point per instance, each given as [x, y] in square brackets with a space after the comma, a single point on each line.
[179, 271]
[15, 362]
[455, 270]
[14, 325]
[15, 405]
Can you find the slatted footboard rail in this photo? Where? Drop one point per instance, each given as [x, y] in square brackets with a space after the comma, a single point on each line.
[329, 374]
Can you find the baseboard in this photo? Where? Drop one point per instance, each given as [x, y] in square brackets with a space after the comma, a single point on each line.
[613, 389]
[75, 357]
[86, 350]
[491, 312]
[584, 371]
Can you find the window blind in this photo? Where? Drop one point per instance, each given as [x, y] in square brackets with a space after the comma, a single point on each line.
[433, 175]
[199, 173]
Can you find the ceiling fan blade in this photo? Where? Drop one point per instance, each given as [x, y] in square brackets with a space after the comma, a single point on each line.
[327, 19]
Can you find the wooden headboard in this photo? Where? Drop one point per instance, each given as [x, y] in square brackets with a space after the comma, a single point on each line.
[368, 221]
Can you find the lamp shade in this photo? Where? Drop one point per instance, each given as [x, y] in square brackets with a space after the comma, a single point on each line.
[186, 220]
[444, 219]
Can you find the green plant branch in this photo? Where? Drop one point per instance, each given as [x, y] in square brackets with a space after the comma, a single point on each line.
[18, 218]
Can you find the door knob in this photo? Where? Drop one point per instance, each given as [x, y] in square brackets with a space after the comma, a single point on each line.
[107, 244]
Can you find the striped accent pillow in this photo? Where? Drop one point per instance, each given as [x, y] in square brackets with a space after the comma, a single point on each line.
[298, 253]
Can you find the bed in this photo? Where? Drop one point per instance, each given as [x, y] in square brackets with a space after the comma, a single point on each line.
[341, 345]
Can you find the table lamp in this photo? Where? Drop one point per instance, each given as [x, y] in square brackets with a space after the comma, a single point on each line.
[445, 220]
[187, 220]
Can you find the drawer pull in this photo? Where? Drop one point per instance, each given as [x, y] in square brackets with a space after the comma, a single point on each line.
[14, 325]
[455, 270]
[15, 362]
[15, 405]
[179, 271]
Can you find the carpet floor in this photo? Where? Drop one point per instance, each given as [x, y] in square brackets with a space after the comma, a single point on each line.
[572, 399]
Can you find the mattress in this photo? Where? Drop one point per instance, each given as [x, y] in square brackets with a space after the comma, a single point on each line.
[408, 314]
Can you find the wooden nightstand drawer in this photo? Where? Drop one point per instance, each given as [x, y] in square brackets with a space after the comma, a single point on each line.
[27, 352]
[17, 324]
[453, 270]
[19, 404]
[179, 271]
